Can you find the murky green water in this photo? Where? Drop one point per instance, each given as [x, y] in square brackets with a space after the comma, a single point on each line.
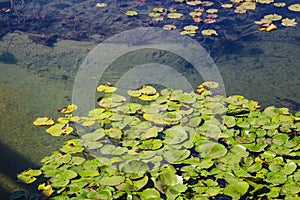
[263, 67]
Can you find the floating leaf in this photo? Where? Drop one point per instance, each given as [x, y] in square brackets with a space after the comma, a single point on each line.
[44, 121]
[174, 156]
[273, 17]
[169, 27]
[107, 88]
[279, 4]
[101, 5]
[276, 177]
[131, 13]
[112, 180]
[47, 189]
[68, 109]
[212, 10]
[175, 135]
[175, 15]
[135, 167]
[236, 189]
[229, 121]
[209, 32]
[211, 149]
[29, 176]
[59, 130]
[294, 7]
[226, 5]
[72, 146]
[150, 194]
[268, 27]
[288, 22]
[158, 9]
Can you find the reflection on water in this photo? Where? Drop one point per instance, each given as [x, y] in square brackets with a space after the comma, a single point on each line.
[36, 80]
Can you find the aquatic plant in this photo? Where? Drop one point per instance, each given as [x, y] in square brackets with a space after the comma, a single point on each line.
[172, 145]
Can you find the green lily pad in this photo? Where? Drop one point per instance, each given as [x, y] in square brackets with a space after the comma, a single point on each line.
[236, 189]
[107, 88]
[280, 139]
[273, 17]
[59, 130]
[150, 194]
[72, 146]
[101, 5]
[135, 167]
[276, 177]
[131, 13]
[174, 156]
[288, 22]
[294, 7]
[112, 180]
[111, 100]
[175, 15]
[229, 121]
[44, 121]
[68, 109]
[140, 183]
[29, 176]
[211, 149]
[209, 32]
[175, 135]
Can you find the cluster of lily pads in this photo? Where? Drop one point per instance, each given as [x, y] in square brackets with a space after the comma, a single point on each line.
[172, 145]
[206, 12]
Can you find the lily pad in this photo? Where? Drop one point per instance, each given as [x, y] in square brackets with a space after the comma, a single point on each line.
[279, 4]
[288, 22]
[101, 5]
[29, 176]
[209, 32]
[175, 15]
[174, 156]
[68, 109]
[131, 13]
[294, 7]
[59, 130]
[107, 88]
[112, 180]
[276, 177]
[211, 149]
[169, 27]
[236, 189]
[44, 121]
[135, 167]
[273, 17]
[150, 194]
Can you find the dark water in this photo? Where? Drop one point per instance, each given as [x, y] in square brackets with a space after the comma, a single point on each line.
[38, 66]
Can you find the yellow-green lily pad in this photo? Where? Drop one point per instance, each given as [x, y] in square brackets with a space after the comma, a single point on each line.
[288, 22]
[101, 5]
[212, 10]
[273, 17]
[175, 15]
[279, 4]
[131, 13]
[107, 88]
[68, 109]
[59, 130]
[209, 32]
[44, 121]
[294, 7]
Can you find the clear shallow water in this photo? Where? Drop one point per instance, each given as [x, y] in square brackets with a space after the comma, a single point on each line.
[261, 66]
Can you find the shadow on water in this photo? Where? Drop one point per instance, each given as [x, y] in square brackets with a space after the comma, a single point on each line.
[13, 163]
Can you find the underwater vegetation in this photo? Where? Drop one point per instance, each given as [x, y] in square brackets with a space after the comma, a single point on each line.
[170, 144]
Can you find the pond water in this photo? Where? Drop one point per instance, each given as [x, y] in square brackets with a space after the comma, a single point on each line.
[44, 43]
